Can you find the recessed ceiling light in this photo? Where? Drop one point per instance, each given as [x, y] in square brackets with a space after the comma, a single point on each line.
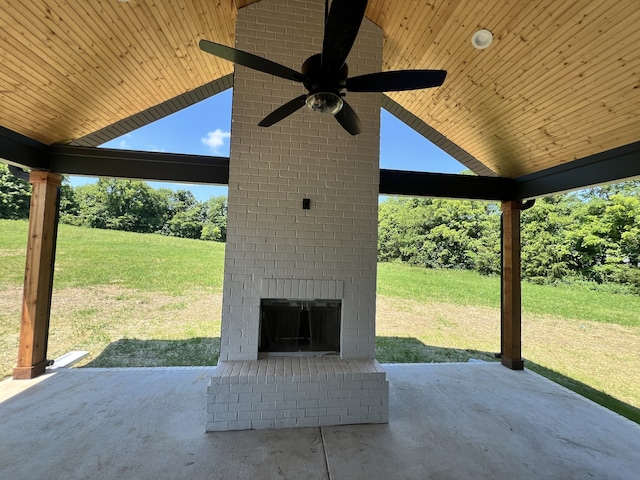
[481, 39]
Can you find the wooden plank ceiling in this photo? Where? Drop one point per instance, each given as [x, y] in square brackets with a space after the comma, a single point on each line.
[560, 82]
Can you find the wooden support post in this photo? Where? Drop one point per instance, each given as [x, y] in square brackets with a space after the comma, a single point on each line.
[511, 308]
[38, 276]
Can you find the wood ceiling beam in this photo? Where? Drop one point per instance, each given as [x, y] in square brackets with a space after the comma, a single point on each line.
[23, 152]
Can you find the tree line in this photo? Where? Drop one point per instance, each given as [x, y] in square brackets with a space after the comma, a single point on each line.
[587, 236]
[128, 205]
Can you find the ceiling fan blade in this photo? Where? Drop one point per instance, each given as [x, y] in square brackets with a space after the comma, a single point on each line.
[396, 81]
[283, 111]
[341, 30]
[250, 60]
[349, 119]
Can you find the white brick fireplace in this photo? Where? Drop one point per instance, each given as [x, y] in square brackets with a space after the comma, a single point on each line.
[279, 251]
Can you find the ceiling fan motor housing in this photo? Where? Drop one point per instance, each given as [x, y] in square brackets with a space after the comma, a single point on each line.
[312, 70]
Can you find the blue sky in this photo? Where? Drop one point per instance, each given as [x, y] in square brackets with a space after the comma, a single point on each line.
[204, 129]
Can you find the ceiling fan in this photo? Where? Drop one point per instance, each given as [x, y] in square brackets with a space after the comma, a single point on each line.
[325, 74]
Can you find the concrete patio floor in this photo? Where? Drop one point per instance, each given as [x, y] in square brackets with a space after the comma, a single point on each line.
[447, 421]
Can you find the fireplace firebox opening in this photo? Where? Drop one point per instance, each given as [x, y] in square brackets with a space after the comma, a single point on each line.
[299, 326]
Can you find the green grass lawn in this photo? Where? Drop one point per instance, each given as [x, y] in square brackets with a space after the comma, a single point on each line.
[464, 287]
[144, 300]
[88, 257]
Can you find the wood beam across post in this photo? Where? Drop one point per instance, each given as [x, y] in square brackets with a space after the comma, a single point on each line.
[38, 276]
[511, 298]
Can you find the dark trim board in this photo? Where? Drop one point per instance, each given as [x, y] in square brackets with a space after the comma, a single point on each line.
[172, 167]
[444, 185]
[617, 164]
[21, 151]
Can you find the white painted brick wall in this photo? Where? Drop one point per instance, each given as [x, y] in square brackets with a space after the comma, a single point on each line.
[275, 249]
[269, 235]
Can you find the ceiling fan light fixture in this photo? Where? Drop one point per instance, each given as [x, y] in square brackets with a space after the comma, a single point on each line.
[481, 39]
[324, 102]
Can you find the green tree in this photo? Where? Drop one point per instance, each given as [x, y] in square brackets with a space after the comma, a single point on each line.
[69, 206]
[122, 205]
[630, 188]
[15, 195]
[186, 215]
[547, 254]
[592, 234]
[215, 223]
[396, 228]
[606, 239]
[486, 249]
[453, 233]
[440, 233]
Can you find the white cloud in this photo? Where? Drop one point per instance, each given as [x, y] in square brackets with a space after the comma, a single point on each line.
[124, 145]
[216, 139]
